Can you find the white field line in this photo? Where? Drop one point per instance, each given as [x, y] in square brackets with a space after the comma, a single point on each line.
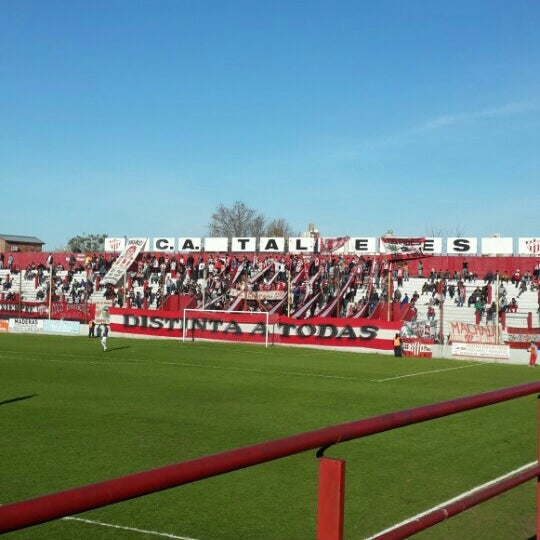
[105, 362]
[427, 372]
[132, 529]
[455, 499]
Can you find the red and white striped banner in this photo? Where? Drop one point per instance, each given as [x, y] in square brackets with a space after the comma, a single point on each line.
[362, 335]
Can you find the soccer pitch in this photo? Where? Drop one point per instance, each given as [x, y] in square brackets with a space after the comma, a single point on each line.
[74, 415]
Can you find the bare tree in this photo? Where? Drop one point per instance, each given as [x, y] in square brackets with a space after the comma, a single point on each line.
[238, 220]
[439, 232]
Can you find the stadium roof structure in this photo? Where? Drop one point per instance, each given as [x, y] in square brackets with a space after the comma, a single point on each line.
[21, 239]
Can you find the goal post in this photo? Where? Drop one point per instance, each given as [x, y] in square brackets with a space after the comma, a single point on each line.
[232, 326]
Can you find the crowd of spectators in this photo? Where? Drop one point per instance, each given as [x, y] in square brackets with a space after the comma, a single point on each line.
[215, 281]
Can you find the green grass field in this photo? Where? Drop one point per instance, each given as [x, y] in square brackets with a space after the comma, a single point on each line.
[73, 415]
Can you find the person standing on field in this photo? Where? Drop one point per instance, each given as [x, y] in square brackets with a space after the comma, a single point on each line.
[533, 349]
[104, 336]
[397, 345]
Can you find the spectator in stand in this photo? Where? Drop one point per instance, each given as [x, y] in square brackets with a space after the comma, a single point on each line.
[7, 283]
[536, 271]
[427, 288]
[404, 300]
[512, 306]
[490, 313]
[462, 294]
[473, 297]
[522, 287]
[10, 261]
[430, 313]
[1, 261]
[485, 293]
[516, 278]
[479, 309]
[399, 276]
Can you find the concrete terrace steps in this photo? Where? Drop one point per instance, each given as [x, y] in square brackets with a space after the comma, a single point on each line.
[527, 302]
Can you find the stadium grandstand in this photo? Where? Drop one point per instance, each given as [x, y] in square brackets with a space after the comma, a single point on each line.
[426, 294]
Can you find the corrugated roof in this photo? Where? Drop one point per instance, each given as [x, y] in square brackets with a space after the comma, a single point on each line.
[21, 239]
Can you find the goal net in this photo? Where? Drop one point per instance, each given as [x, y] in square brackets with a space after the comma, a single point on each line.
[237, 326]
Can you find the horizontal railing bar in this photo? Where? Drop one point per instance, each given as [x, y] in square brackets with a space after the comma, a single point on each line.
[451, 509]
[73, 501]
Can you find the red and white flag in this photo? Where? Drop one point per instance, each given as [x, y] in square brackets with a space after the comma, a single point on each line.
[333, 244]
[398, 249]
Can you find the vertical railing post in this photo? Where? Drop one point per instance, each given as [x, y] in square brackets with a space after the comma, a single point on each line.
[331, 501]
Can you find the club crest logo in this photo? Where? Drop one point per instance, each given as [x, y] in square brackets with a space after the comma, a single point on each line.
[533, 245]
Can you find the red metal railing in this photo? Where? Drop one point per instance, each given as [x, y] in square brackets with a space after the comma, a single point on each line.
[73, 501]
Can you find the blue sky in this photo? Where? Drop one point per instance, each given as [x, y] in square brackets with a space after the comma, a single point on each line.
[137, 118]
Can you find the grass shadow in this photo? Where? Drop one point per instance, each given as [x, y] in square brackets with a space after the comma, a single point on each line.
[13, 400]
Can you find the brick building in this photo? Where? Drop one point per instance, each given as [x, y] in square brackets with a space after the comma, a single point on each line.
[23, 244]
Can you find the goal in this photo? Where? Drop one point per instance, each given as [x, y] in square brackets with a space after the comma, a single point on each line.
[237, 326]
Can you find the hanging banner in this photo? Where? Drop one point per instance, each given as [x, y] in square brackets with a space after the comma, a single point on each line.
[361, 335]
[121, 265]
[102, 315]
[472, 333]
[481, 350]
[520, 338]
[419, 348]
[398, 249]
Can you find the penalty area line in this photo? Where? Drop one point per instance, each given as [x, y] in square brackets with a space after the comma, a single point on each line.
[426, 372]
[124, 528]
[455, 499]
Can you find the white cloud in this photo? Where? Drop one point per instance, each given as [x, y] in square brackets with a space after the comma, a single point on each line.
[506, 110]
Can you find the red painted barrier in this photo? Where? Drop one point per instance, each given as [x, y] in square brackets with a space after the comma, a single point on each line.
[331, 503]
[456, 507]
[73, 501]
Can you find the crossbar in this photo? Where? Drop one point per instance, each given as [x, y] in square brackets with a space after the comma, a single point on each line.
[45, 508]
